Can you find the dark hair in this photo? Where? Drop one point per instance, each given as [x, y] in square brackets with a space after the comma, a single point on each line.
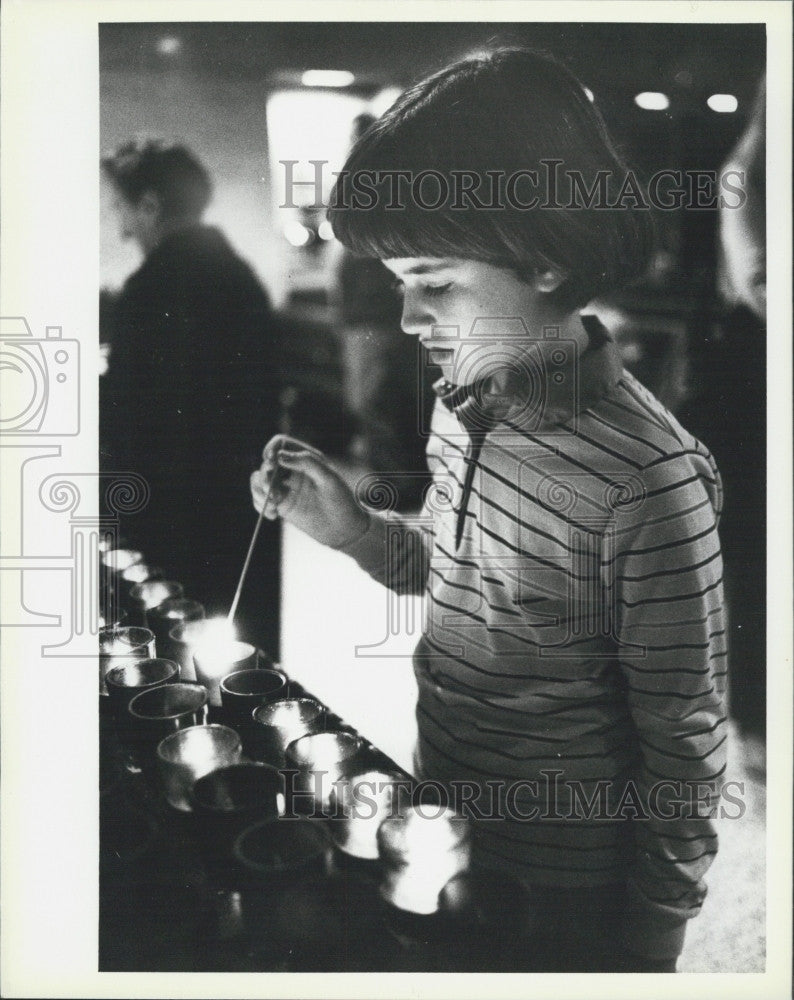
[503, 112]
[361, 123]
[173, 173]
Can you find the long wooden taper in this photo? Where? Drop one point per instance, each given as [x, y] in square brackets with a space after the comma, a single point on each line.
[247, 563]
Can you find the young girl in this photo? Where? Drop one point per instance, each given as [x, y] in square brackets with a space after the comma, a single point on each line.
[571, 672]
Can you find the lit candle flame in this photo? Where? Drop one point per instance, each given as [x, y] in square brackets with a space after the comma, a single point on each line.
[137, 573]
[155, 594]
[216, 651]
[118, 560]
[217, 631]
[216, 645]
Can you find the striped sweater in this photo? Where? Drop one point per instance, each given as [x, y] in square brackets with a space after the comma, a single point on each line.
[573, 661]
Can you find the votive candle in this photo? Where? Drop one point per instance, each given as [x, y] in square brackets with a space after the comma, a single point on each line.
[279, 723]
[118, 646]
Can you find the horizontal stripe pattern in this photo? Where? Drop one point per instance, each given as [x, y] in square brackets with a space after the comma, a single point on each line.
[585, 610]
[578, 626]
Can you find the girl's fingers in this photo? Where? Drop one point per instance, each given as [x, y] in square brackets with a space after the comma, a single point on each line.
[281, 443]
[258, 489]
[309, 462]
[268, 487]
[277, 486]
[271, 511]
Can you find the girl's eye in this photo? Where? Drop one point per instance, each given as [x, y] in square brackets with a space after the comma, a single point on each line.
[433, 290]
[398, 286]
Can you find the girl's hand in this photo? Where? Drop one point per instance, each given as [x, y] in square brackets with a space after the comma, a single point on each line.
[307, 492]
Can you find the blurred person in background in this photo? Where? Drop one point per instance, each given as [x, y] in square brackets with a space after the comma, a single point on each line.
[387, 386]
[190, 388]
[743, 228]
[729, 411]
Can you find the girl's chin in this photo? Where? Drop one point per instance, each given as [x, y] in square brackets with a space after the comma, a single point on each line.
[443, 357]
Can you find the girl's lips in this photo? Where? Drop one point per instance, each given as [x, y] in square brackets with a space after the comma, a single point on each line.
[441, 355]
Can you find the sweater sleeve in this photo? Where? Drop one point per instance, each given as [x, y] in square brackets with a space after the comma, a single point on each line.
[666, 579]
[395, 551]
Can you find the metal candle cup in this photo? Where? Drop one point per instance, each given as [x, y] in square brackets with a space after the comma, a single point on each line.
[115, 561]
[359, 806]
[160, 711]
[191, 753]
[124, 682]
[146, 596]
[120, 646]
[243, 690]
[277, 847]
[112, 563]
[215, 661]
[166, 616]
[421, 850]
[279, 723]
[113, 618]
[130, 578]
[323, 758]
[226, 802]
[242, 790]
[272, 856]
[182, 639]
[108, 542]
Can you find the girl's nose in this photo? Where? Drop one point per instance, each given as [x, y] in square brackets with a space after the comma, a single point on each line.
[415, 318]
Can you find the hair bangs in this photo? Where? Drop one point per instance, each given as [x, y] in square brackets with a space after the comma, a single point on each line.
[406, 231]
[424, 179]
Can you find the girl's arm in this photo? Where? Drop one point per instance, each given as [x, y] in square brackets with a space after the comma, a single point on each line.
[297, 483]
[668, 605]
[395, 551]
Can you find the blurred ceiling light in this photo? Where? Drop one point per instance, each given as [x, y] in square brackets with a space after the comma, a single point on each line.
[297, 234]
[723, 103]
[325, 230]
[589, 94]
[327, 78]
[168, 45]
[652, 100]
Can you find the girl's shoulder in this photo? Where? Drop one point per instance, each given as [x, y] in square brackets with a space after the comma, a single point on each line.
[669, 462]
[646, 428]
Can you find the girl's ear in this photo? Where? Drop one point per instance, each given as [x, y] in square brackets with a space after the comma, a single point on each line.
[548, 281]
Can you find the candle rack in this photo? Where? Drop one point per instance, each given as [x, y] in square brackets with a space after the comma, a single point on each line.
[333, 916]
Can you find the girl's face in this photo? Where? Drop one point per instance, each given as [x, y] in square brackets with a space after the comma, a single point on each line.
[473, 318]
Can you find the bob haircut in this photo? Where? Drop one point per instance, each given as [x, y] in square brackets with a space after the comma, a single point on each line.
[502, 114]
[173, 173]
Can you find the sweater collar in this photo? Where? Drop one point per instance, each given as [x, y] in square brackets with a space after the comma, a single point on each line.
[536, 399]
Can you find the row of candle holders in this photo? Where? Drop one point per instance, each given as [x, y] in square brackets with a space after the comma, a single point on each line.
[269, 777]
